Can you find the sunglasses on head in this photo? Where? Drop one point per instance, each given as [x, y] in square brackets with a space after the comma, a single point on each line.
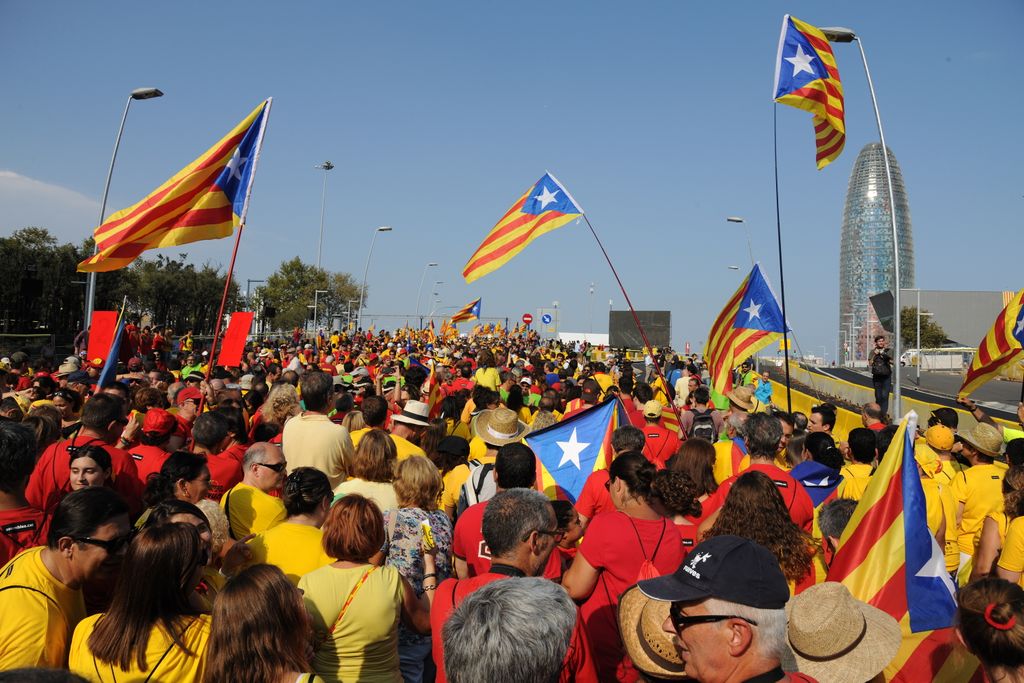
[681, 621]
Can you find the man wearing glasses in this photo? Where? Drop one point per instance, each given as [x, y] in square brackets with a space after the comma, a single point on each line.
[249, 506]
[727, 613]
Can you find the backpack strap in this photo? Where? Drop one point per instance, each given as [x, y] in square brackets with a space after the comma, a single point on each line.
[478, 486]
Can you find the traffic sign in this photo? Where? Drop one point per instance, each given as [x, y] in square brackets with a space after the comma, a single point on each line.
[527, 318]
[546, 318]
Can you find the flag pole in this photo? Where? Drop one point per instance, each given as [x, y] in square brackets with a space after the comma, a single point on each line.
[234, 252]
[636, 318]
[782, 278]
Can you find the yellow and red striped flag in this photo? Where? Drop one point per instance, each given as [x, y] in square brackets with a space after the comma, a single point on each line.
[750, 321]
[545, 206]
[888, 558]
[806, 77]
[205, 200]
[1003, 343]
[470, 311]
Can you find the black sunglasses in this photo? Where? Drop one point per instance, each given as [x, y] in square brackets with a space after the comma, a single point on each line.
[113, 546]
[278, 467]
[681, 621]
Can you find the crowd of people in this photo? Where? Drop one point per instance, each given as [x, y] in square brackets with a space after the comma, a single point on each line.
[365, 508]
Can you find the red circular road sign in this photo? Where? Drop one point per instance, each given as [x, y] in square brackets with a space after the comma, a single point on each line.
[527, 318]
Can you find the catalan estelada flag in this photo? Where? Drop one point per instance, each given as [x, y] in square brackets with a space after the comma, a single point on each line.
[888, 558]
[567, 452]
[545, 206]
[109, 372]
[1001, 346]
[806, 77]
[750, 321]
[470, 311]
[205, 200]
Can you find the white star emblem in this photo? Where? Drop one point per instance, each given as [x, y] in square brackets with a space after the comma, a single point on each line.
[935, 568]
[801, 61]
[236, 163]
[1020, 325]
[571, 450]
[545, 197]
[753, 310]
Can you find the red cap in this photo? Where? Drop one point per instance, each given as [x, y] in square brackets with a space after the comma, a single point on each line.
[158, 421]
[188, 393]
[96, 363]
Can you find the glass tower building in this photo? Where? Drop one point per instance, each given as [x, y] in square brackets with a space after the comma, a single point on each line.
[865, 248]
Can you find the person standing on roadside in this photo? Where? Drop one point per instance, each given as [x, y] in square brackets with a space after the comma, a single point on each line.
[880, 363]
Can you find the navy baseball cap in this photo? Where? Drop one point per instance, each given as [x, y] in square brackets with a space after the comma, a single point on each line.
[728, 568]
[79, 377]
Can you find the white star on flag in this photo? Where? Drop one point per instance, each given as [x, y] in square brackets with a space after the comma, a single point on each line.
[545, 197]
[753, 310]
[801, 61]
[571, 450]
[1020, 325]
[935, 568]
[236, 163]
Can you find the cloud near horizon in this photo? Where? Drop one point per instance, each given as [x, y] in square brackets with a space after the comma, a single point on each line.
[70, 216]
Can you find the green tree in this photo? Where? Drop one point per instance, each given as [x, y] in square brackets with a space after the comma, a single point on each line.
[176, 294]
[932, 334]
[291, 290]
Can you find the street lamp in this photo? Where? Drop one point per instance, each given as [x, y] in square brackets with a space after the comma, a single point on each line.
[839, 34]
[737, 219]
[90, 286]
[325, 167]
[316, 303]
[248, 283]
[348, 315]
[419, 292]
[366, 270]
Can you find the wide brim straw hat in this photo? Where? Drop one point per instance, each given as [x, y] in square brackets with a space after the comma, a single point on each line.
[651, 648]
[499, 426]
[837, 639]
[742, 397]
[985, 438]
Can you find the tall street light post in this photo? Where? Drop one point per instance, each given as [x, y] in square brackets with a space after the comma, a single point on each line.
[316, 303]
[366, 270]
[325, 167]
[419, 292]
[838, 34]
[248, 283]
[90, 286]
[746, 230]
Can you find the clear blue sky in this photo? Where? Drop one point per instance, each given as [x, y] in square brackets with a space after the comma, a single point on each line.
[657, 116]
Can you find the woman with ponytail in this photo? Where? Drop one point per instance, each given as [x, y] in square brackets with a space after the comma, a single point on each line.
[633, 542]
[990, 622]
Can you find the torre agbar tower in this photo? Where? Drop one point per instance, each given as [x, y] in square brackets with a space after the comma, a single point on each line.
[865, 248]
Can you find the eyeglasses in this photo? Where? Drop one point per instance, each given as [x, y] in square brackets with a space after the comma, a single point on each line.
[608, 485]
[277, 467]
[681, 621]
[557, 534]
[112, 546]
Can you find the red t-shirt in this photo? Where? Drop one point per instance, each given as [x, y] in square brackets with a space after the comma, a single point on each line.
[617, 545]
[148, 460]
[799, 504]
[49, 482]
[235, 451]
[21, 528]
[225, 472]
[876, 427]
[708, 506]
[660, 444]
[636, 417]
[688, 534]
[594, 498]
[577, 666]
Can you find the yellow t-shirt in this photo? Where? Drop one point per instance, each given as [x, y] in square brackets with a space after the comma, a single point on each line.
[453, 482]
[487, 377]
[38, 614]
[357, 435]
[381, 493]
[477, 449]
[856, 477]
[250, 510]
[165, 661]
[980, 490]
[458, 428]
[939, 507]
[1012, 557]
[723, 468]
[364, 645]
[950, 468]
[296, 548]
[405, 448]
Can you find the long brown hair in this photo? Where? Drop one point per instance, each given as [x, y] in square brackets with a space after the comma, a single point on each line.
[247, 646]
[375, 458]
[696, 459]
[152, 591]
[754, 509]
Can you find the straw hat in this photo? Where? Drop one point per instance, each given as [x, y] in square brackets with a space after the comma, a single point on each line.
[985, 438]
[743, 397]
[499, 426]
[837, 639]
[650, 647]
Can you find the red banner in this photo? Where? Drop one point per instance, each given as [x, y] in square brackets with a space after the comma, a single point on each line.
[233, 344]
[101, 334]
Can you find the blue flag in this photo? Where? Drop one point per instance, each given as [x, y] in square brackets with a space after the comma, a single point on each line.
[759, 309]
[573, 448]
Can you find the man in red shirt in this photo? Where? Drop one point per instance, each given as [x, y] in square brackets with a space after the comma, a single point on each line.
[157, 429]
[660, 443]
[210, 436]
[21, 526]
[521, 529]
[594, 498]
[762, 433]
[871, 416]
[103, 422]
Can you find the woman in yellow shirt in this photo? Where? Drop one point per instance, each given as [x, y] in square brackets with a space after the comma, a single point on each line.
[356, 604]
[152, 631]
[265, 645]
[994, 528]
[486, 374]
